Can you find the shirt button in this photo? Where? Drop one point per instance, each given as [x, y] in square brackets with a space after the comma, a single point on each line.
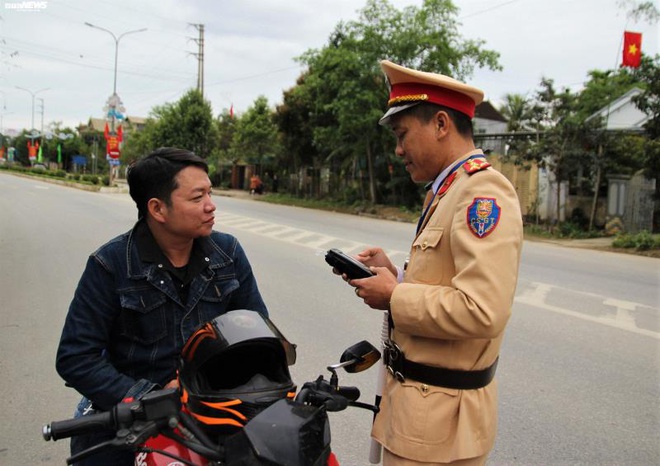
[162, 282]
[425, 388]
[207, 259]
[424, 245]
[160, 266]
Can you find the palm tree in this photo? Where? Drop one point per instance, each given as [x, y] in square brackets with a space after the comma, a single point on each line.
[518, 111]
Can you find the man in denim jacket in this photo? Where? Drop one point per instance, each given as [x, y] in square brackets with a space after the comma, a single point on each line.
[143, 293]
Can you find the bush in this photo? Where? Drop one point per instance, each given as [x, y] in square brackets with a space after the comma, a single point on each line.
[93, 179]
[642, 241]
[570, 230]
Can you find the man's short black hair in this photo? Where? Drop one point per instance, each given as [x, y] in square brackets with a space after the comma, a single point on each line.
[425, 111]
[154, 175]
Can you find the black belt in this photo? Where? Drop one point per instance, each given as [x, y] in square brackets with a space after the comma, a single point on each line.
[402, 368]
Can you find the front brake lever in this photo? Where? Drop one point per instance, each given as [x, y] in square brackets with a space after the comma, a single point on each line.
[359, 404]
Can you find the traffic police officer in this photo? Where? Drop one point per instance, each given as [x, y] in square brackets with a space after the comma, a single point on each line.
[449, 307]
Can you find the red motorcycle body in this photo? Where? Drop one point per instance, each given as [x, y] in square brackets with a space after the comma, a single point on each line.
[170, 446]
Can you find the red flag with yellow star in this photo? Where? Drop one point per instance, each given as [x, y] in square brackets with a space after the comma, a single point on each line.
[632, 49]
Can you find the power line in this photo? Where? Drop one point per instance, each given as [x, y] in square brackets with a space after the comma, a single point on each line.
[476, 13]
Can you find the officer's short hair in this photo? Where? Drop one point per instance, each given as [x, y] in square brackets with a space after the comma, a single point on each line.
[425, 112]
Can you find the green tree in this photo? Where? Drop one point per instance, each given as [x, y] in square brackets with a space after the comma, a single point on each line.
[649, 103]
[345, 90]
[569, 142]
[296, 119]
[222, 156]
[187, 123]
[603, 152]
[558, 130]
[256, 138]
[226, 124]
[517, 109]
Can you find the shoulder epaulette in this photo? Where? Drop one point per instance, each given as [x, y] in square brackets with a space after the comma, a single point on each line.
[474, 165]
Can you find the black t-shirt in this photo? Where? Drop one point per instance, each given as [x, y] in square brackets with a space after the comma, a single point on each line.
[181, 276]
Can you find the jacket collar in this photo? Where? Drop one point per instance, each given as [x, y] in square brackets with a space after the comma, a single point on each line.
[144, 257]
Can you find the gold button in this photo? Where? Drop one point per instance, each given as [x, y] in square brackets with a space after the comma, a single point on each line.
[425, 388]
[424, 245]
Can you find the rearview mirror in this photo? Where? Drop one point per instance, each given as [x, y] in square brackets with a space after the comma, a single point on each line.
[359, 357]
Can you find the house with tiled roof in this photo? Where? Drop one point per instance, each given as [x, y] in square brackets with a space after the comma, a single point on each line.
[622, 114]
[97, 125]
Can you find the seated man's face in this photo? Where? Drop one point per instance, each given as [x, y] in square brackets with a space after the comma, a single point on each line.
[191, 210]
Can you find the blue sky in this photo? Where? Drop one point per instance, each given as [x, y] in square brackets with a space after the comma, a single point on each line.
[250, 46]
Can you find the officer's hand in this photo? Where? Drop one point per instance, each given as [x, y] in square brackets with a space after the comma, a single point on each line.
[376, 291]
[376, 257]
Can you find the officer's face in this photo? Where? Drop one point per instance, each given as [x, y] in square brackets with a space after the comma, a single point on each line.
[417, 145]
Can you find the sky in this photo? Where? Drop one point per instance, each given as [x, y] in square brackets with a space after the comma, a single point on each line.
[67, 68]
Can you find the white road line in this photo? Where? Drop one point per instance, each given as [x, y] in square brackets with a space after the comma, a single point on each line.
[623, 319]
[294, 235]
[534, 295]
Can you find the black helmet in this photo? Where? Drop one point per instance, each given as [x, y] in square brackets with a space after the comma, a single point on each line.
[232, 368]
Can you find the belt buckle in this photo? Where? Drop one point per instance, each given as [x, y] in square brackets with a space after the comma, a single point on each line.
[393, 359]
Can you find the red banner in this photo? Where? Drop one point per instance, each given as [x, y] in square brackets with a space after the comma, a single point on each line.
[113, 147]
[112, 142]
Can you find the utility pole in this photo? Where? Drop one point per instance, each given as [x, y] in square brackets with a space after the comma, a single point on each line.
[33, 94]
[200, 57]
[43, 109]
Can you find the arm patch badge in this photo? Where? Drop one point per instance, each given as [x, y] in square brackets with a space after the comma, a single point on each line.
[483, 215]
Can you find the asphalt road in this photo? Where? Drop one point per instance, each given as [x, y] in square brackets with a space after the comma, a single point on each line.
[579, 376]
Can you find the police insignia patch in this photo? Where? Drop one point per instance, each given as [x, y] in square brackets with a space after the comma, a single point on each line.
[482, 216]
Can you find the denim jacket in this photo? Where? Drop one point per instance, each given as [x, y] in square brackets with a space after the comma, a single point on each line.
[126, 324]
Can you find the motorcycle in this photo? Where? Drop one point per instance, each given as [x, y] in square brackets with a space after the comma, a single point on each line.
[163, 428]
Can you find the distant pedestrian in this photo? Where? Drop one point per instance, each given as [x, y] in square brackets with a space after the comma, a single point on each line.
[256, 185]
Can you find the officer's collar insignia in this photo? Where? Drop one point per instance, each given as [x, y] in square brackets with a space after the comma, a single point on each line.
[475, 165]
[483, 215]
[446, 184]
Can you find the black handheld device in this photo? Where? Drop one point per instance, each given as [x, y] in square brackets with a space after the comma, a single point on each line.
[346, 264]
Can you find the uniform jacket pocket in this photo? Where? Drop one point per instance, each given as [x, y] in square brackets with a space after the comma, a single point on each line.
[424, 256]
[424, 414]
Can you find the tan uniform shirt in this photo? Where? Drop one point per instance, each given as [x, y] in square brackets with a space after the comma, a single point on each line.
[451, 311]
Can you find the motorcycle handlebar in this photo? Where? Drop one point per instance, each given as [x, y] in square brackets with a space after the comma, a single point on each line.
[160, 405]
[350, 393]
[82, 425]
[333, 398]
